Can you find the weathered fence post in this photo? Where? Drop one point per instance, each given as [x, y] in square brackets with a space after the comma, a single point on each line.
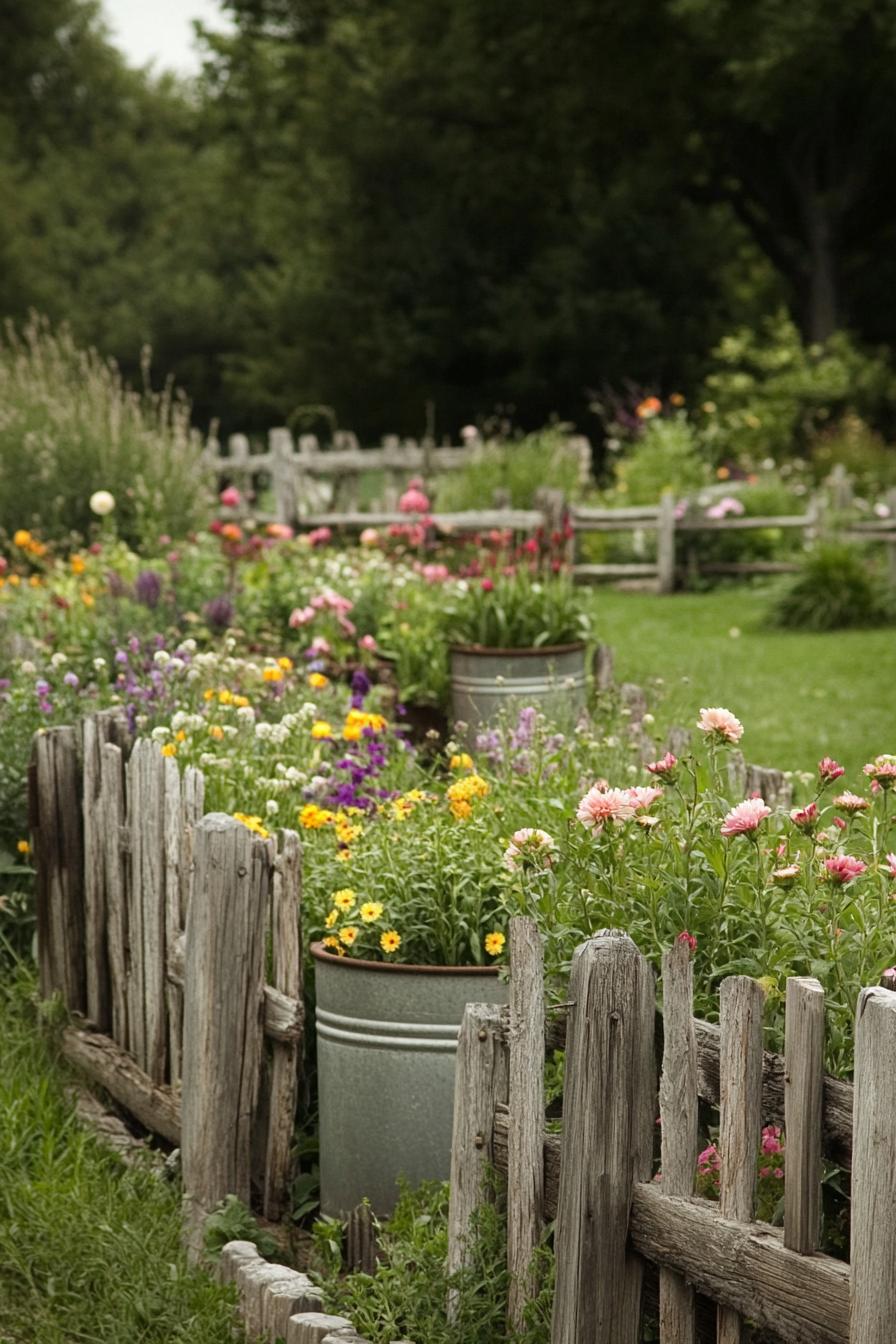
[873, 1244]
[678, 1118]
[283, 475]
[286, 895]
[525, 1137]
[803, 1102]
[665, 544]
[608, 1120]
[740, 1087]
[96, 731]
[147, 1010]
[115, 868]
[480, 1084]
[223, 994]
[54, 806]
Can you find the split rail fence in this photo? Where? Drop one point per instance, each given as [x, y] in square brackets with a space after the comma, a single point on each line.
[717, 1268]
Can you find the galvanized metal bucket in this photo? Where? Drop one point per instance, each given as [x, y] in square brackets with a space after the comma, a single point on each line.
[386, 1046]
[486, 682]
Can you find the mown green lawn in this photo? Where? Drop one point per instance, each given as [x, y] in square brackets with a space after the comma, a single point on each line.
[800, 696]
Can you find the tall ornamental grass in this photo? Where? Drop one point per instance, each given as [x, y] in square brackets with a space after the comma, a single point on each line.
[70, 426]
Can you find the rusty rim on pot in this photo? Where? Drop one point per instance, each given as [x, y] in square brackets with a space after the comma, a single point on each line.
[519, 653]
[320, 953]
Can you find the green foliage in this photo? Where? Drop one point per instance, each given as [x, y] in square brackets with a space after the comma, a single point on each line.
[232, 1221]
[835, 590]
[862, 453]
[89, 1248]
[82, 430]
[667, 456]
[769, 392]
[517, 611]
[519, 466]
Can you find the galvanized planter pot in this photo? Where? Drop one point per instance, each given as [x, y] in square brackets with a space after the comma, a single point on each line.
[484, 682]
[386, 1045]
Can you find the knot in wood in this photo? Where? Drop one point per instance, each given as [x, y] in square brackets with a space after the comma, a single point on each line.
[479, 1141]
[483, 1034]
[242, 870]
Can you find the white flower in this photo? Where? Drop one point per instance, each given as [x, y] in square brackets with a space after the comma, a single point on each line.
[28, 669]
[161, 657]
[272, 807]
[101, 503]
[648, 719]
[246, 713]
[58, 659]
[99, 664]
[159, 734]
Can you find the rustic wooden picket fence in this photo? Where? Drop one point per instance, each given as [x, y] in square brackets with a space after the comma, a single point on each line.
[611, 1221]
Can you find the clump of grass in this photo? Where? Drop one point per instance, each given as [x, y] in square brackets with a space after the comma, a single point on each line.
[70, 426]
[835, 590]
[89, 1248]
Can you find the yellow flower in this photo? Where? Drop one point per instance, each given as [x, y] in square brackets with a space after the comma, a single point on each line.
[462, 761]
[285, 663]
[461, 811]
[313, 817]
[348, 935]
[241, 701]
[371, 911]
[34, 581]
[78, 564]
[471, 786]
[402, 809]
[317, 681]
[331, 918]
[253, 824]
[14, 580]
[216, 731]
[343, 855]
[180, 735]
[320, 728]
[22, 537]
[335, 944]
[225, 697]
[344, 898]
[208, 695]
[356, 720]
[23, 847]
[494, 943]
[272, 674]
[88, 599]
[390, 941]
[169, 749]
[345, 831]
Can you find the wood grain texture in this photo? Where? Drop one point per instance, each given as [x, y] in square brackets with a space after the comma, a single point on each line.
[173, 825]
[678, 1122]
[56, 822]
[609, 1108]
[286, 901]
[873, 1237]
[525, 1171]
[106, 1063]
[310, 1327]
[115, 871]
[96, 730]
[803, 1080]
[147, 1013]
[740, 1112]
[480, 1084]
[223, 981]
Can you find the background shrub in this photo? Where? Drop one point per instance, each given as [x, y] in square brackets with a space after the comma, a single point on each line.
[520, 466]
[836, 589]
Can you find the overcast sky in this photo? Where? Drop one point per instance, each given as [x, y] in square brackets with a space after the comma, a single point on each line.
[161, 30]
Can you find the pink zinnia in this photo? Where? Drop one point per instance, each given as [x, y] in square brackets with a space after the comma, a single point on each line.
[851, 802]
[805, 817]
[664, 766]
[231, 497]
[644, 796]
[882, 770]
[413, 501]
[720, 724]
[529, 844]
[829, 769]
[301, 616]
[602, 805]
[319, 536]
[367, 643]
[843, 868]
[745, 817]
[279, 531]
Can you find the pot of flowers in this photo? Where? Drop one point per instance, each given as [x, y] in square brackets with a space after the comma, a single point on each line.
[415, 938]
[517, 639]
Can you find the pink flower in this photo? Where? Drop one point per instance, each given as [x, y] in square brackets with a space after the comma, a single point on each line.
[839, 823]
[720, 724]
[435, 573]
[771, 1140]
[664, 767]
[805, 817]
[602, 805]
[644, 796]
[319, 536]
[843, 868]
[724, 507]
[745, 817]
[413, 500]
[829, 770]
[891, 860]
[851, 802]
[709, 1161]
[279, 531]
[529, 847]
[231, 497]
[685, 937]
[784, 877]
[487, 585]
[320, 645]
[301, 616]
[469, 432]
[369, 537]
[367, 643]
[882, 770]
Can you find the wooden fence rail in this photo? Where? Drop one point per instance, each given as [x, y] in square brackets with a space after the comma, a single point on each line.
[594, 1178]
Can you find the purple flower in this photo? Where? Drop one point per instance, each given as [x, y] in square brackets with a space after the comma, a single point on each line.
[120, 657]
[148, 588]
[42, 687]
[219, 612]
[71, 679]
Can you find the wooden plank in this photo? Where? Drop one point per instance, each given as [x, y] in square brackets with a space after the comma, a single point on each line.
[115, 869]
[608, 1117]
[665, 544]
[106, 1063]
[480, 1084]
[525, 1178]
[740, 1118]
[515, 520]
[54, 805]
[223, 980]
[310, 1327]
[286, 899]
[873, 1235]
[804, 1073]
[96, 731]
[173, 843]
[146, 908]
[678, 1121]
[745, 524]
[635, 570]
[633, 513]
[800, 1299]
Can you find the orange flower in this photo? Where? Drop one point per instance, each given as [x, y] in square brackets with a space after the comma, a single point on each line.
[648, 408]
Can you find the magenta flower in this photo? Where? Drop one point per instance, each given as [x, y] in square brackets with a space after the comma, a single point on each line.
[414, 501]
[319, 536]
[685, 937]
[745, 817]
[843, 868]
[664, 767]
[602, 805]
[829, 770]
[231, 497]
[882, 770]
[891, 860]
[720, 724]
[771, 1140]
[805, 818]
[851, 802]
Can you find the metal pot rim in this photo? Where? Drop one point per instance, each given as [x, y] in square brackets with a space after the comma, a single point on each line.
[320, 953]
[486, 650]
